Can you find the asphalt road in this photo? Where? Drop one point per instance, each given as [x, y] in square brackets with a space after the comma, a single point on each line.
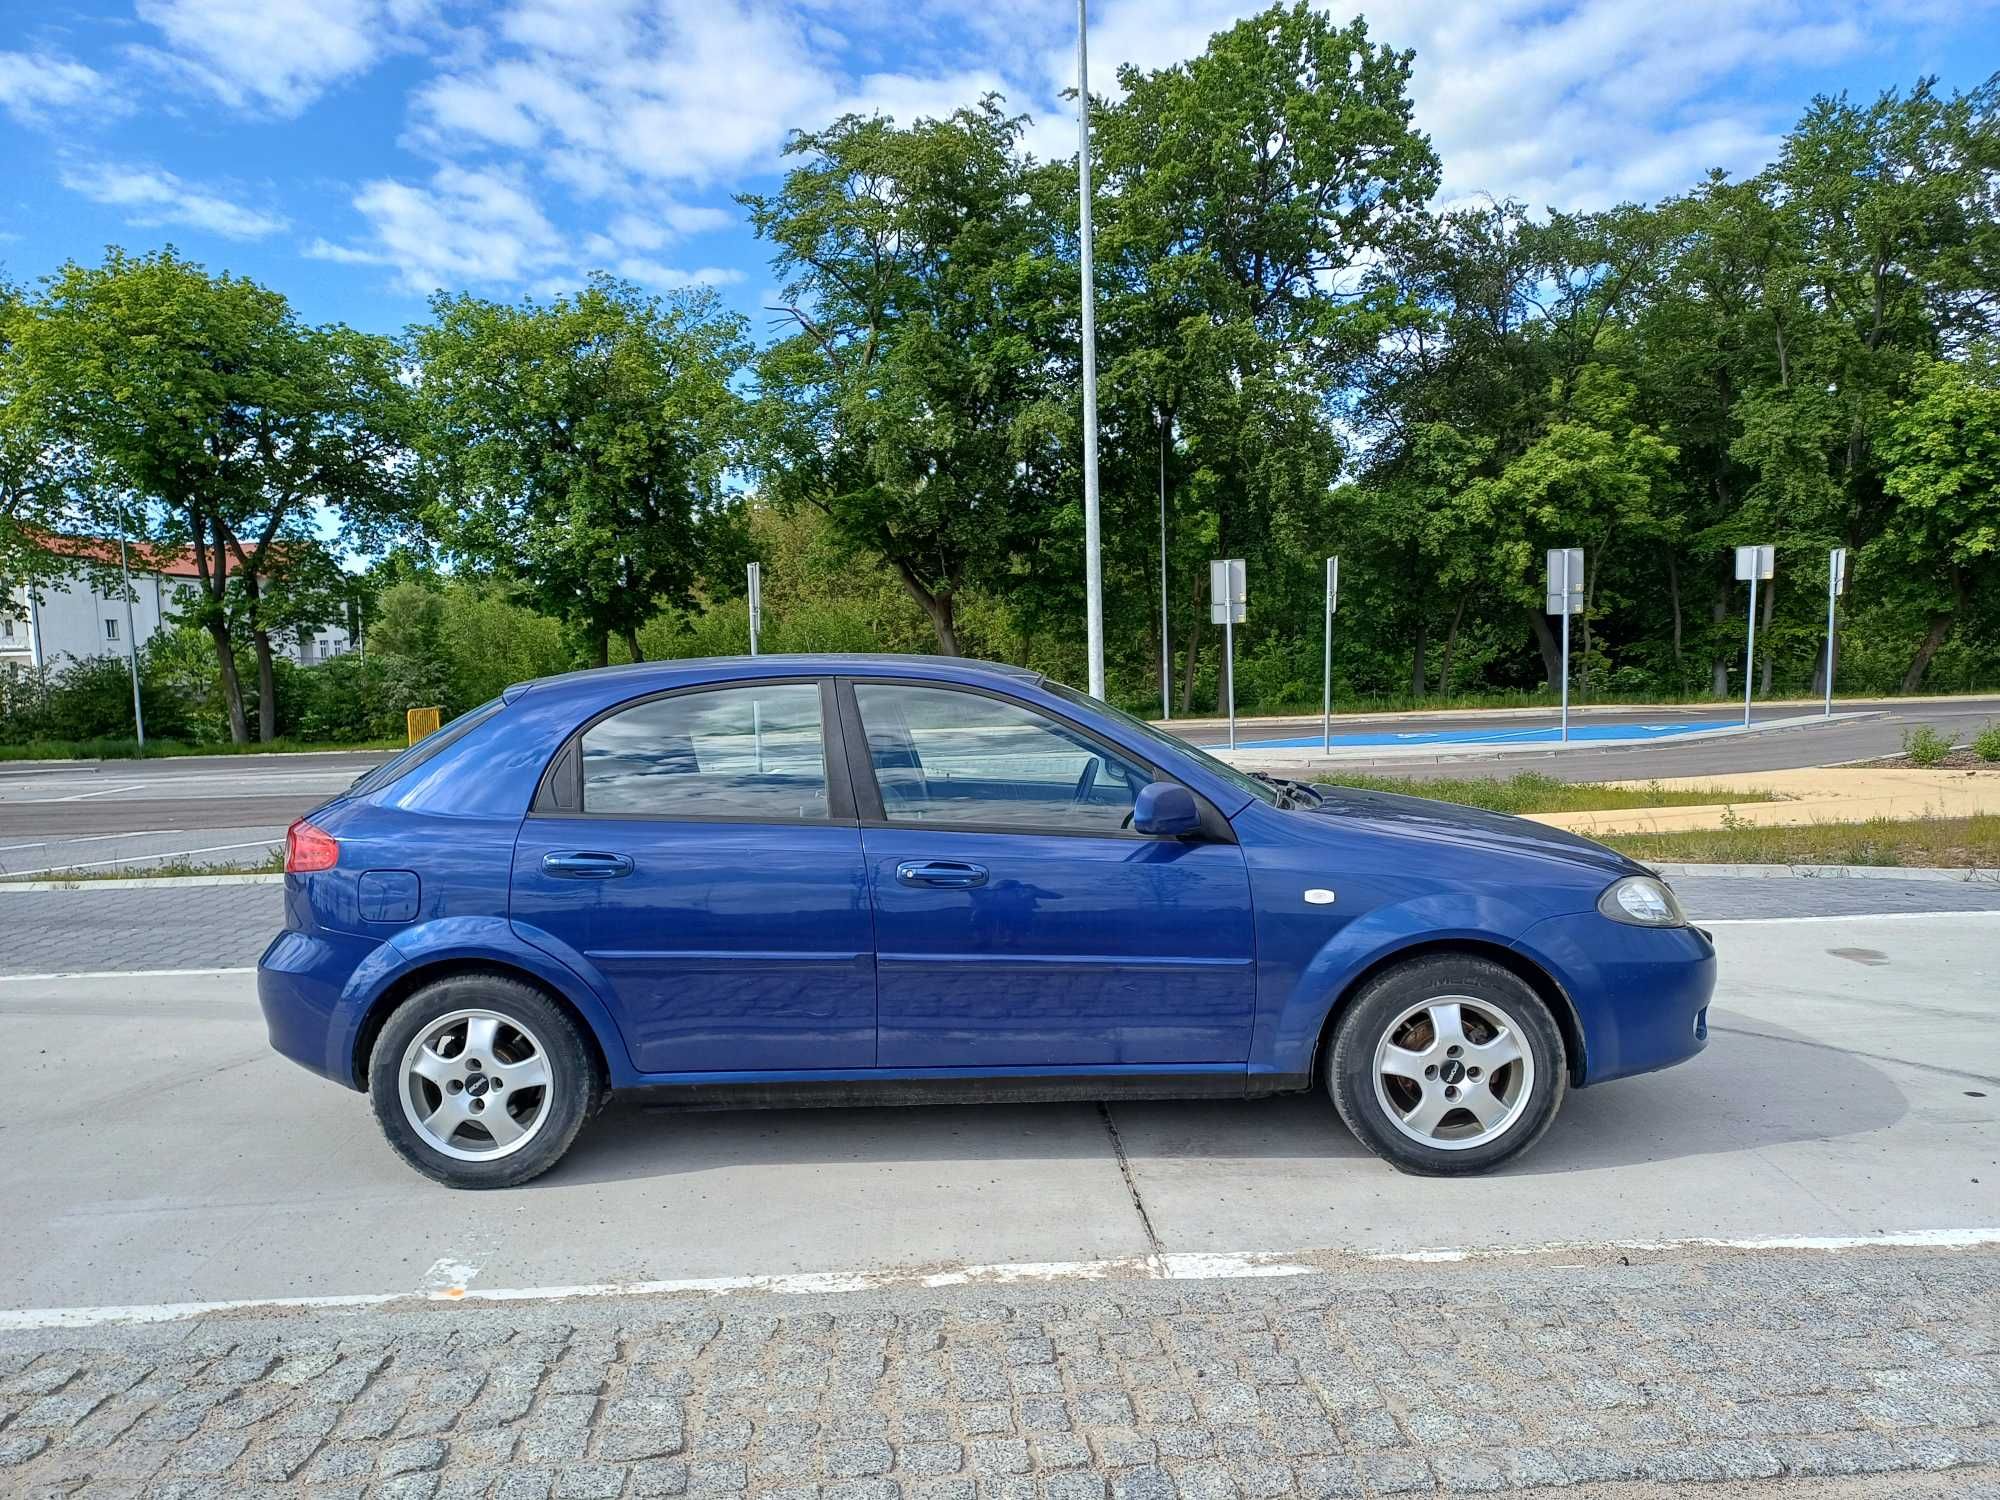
[158, 1152]
[112, 815]
[1773, 750]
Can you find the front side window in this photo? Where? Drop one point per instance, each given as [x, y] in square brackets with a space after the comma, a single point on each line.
[739, 752]
[943, 756]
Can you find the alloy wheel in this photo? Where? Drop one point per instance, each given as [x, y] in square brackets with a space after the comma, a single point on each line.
[476, 1085]
[1453, 1072]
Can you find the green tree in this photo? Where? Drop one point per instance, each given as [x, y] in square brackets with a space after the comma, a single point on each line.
[580, 449]
[1941, 449]
[911, 402]
[215, 419]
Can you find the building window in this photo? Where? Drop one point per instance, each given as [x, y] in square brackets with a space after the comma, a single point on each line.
[110, 629]
[6, 627]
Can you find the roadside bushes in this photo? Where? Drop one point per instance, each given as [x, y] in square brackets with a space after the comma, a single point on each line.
[86, 699]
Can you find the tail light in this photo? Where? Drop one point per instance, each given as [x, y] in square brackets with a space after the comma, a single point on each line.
[308, 849]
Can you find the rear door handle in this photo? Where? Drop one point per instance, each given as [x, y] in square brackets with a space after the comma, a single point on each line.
[587, 864]
[950, 873]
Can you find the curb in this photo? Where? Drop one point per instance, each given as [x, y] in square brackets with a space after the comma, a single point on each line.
[137, 883]
[1832, 872]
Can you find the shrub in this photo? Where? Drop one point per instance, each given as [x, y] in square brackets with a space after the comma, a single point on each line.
[1986, 744]
[1925, 746]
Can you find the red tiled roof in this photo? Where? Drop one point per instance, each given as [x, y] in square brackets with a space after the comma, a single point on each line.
[169, 562]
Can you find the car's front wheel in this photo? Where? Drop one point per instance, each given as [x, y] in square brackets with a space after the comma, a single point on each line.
[1446, 1065]
[481, 1081]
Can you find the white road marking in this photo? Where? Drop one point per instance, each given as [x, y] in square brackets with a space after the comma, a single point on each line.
[1166, 1267]
[120, 974]
[92, 838]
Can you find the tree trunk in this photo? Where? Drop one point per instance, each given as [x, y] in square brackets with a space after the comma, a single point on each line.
[1545, 638]
[1718, 669]
[1936, 634]
[1770, 591]
[600, 648]
[1674, 599]
[1418, 649]
[267, 687]
[632, 643]
[1450, 648]
[232, 687]
[1197, 619]
[936, 605]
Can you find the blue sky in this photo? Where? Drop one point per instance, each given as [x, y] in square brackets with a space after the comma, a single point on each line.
[357, 153]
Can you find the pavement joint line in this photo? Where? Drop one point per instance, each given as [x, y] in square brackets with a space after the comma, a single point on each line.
[1165, 1266]
[1131, 1182]
[1852, 916]
[123, 974]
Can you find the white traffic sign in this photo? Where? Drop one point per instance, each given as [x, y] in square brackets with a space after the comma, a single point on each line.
[1226, 591]
[1332, 603]
[1565, 581]
[1755, 562]
[1836, 568]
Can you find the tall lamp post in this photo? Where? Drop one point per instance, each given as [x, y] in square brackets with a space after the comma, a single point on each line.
[1093, 560]
[131, 640]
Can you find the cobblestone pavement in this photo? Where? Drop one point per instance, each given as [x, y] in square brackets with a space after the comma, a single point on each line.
[1373, 1380]
[174, 927]
[49, 932]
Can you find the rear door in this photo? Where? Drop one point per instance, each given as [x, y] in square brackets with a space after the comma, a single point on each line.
[1019, 922]
[696, 853]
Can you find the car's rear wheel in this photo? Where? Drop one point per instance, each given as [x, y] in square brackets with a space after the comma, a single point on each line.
[481, 1081]
[1447, 1065]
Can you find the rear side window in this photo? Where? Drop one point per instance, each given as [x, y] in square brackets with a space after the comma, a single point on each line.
[431, 744]
[757, 751]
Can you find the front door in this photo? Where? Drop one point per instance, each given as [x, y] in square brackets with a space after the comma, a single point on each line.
[1019, 922]
[692, 858]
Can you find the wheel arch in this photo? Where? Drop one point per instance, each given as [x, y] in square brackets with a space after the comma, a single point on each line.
[1537, 978]
[418, 976]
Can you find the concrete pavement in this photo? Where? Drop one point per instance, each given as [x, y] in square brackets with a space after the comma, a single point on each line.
[1850, 1089]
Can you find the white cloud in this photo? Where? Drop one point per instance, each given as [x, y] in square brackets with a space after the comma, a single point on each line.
[35, 85]
[276, 55]
[1580, 105]
[484, 228]
[465, 227]
[153, 198]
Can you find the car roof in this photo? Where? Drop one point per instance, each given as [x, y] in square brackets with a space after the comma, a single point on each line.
[689, 669]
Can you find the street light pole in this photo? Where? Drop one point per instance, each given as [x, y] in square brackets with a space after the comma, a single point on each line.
[1166, 651]
[1093, 563]
[131, 641]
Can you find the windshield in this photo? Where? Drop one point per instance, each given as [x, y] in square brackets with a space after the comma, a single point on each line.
[1262, 790]
[424, 749]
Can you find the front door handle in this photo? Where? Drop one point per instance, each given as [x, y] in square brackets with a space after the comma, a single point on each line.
[949, 873]
[587, 864]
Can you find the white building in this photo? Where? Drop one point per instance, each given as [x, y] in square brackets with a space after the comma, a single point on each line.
[76, 619]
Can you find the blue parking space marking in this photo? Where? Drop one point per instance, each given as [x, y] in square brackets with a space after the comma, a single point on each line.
[1544, 734]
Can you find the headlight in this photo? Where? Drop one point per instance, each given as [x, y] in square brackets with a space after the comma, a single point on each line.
[1641, 901]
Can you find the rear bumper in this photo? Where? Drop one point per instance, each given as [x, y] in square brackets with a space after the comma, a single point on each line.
[304, 981]
[1641, 993]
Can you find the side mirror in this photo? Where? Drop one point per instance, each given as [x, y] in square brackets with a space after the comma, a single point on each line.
[1165, 810]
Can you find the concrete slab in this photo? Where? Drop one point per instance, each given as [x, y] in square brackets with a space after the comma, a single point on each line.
[157, 1152]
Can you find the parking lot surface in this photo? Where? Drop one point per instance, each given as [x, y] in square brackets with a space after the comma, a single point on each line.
[1777, 1265]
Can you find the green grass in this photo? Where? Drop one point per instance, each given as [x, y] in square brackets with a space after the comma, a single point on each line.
[1945, 843]
[274, 864]
[129, 749]
[1531, 792]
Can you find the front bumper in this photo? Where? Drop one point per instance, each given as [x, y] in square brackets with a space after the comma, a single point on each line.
[1641, 993]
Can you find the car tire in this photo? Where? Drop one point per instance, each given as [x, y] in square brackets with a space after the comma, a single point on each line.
[1447, 1065]
[441, 1068]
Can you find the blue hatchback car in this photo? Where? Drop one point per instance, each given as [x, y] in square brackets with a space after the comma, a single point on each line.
[840, 879]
